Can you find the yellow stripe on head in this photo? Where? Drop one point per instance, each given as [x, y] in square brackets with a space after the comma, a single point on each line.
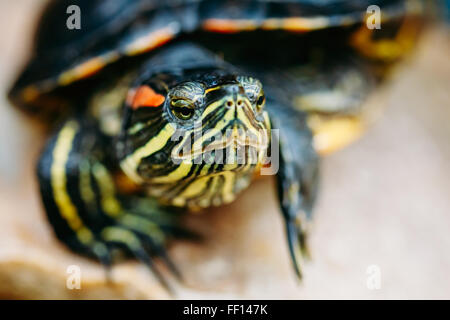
[130, 164]
[177, 175]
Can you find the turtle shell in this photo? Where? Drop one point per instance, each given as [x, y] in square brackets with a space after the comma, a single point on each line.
[113, 29]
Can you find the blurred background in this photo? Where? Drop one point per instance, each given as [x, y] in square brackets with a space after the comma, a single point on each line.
[384, 205]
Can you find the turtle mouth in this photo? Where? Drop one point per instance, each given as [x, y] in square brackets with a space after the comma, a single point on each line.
[237, 138]
[234, 142]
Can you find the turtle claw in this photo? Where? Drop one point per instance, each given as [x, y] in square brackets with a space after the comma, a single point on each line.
[103, 255]
[141, 254]
[295, 247]
[140, 245]
[170, 265]
[145, 258]
[158, 250]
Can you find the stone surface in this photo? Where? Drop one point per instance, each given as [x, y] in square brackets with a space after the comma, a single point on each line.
[384, 201]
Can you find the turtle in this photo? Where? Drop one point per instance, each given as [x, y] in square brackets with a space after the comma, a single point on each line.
[158, 108]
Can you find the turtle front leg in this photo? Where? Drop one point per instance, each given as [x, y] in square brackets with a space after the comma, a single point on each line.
[297, 177]
[87, 210]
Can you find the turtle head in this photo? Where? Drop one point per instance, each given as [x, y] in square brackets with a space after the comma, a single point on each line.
[198, 139]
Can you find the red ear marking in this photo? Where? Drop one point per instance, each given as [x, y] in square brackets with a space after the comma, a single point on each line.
[146, 97]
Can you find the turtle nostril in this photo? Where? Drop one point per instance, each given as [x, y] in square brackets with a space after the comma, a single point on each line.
[230, 104]
[239, 103]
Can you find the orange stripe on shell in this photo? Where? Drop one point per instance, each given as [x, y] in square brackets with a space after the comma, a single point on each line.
[87, 68]
[151, 40]
[30, 94]
[144, 96]
[295, 24]
[229, 25]
[83, 70]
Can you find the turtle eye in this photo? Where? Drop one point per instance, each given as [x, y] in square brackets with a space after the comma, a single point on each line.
[253, 90]
[260, 100]
[182, 109]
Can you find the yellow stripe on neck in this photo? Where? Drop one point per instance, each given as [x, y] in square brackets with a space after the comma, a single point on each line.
[59, 182]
